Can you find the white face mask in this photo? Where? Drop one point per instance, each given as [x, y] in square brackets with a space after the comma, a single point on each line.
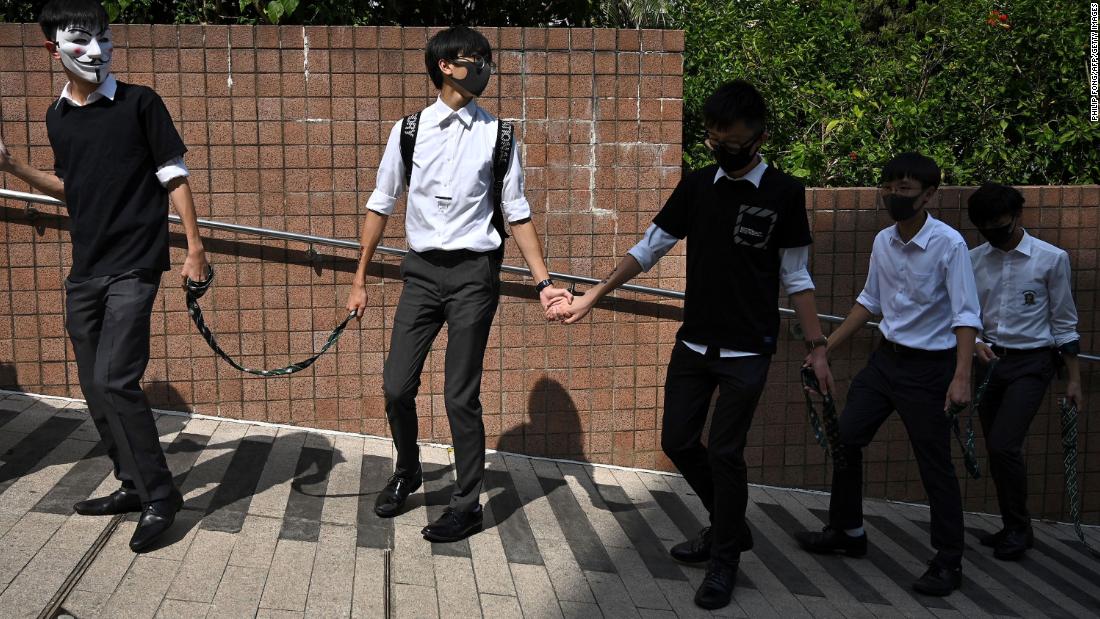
[86, 54]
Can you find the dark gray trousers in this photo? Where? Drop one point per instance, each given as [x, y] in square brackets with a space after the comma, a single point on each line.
[461, 289]
[108, 322]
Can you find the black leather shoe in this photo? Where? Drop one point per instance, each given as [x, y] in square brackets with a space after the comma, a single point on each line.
[694, 550]
[121, 501]
[939, 580]
[454, 525]
[392, 498]
[830, 541]
[1014, 543]
[156, 518]
[717, 587]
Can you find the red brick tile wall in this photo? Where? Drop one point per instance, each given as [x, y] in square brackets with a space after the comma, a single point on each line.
[285, 127]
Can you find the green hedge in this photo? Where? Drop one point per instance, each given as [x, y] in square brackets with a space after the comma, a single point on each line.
[990, 93]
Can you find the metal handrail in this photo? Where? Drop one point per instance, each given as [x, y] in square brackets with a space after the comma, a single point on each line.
[394, 251]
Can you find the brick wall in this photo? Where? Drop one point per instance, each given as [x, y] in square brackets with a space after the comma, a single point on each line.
[285, 128]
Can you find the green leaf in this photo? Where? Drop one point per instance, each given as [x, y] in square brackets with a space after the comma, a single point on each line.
[274, 11]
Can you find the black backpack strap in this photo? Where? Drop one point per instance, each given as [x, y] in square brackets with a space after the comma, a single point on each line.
[502, 156]
[409, 126]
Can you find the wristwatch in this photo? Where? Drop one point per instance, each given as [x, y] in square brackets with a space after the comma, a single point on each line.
[544, 284]
[816, 342]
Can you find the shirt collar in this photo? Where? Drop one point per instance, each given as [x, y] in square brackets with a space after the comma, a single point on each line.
[754, 176]
[465, 114]
[106, 89]
[1024, 246]
[921, 238]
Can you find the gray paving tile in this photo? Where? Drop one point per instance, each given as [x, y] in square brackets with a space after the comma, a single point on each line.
[239, 592]
[455, 587]
[580, 610]
[534, 591]
[500, 606]
[84, 604]
[333, 578]
[368, 593]
[178, 609]
[23, 540]
[142, 588]
[415, 602]
[287, 583]
[202, 567]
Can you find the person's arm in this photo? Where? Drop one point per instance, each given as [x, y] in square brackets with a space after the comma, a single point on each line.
[654, 244]
[1063, 325]
[46, 182]
[195, 265]
[373, 227]
[795, 274]
[962, 293]
[527, 239]
[866, 307]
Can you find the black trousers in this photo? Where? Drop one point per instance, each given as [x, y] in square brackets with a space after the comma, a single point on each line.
[108, 322]
[461, 289]
[914, 384]
[717, 472]
[1016, 390]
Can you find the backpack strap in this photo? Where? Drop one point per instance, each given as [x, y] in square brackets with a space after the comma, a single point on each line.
[502, 156]
[409, 126]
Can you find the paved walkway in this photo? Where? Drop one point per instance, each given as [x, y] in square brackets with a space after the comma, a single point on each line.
[278, 523]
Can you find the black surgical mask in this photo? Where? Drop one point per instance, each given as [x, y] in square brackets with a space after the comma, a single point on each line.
[1000, 236]
[477, 76]
[900, 207]
[731, 162]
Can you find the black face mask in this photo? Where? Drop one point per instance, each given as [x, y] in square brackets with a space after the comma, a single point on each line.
[900, 207]
[733, 162]
[477, 76]
[1001, 235]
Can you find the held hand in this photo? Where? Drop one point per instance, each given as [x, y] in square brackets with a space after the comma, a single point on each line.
[195, 267]
[819, 361]
[357, 300]
[553, 313]
[1074, 396]
[984, 352]
[577, 309]
[550, 294]
[958, 393]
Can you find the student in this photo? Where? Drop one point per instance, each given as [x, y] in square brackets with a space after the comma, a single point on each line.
[747, 232]
[921, 283]
[1028, 318]
[118, 160]
[452, 272]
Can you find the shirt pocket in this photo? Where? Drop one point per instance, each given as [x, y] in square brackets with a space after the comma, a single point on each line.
[924, 287]
[754, 226]
[1029, 296]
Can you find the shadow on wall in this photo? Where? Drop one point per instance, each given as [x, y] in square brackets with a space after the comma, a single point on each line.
[553, 428]
[9, 376]
[164, 396]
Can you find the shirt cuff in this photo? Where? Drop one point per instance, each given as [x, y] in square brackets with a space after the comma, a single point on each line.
[967, 319]
[516, 210]
[797, 281]
[1061, 339]
[872, 305]
[172, 169]
[381, 203]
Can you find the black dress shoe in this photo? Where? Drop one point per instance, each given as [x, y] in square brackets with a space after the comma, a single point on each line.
[694, 550]
[121, 501]
[939, 580]
[717, 587]
[156, 518]
[830, 541]
[454, 525]
[392, 498]
[1014, 543]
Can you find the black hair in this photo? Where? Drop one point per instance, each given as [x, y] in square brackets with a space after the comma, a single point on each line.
[912, 165]
[59, 14]
[992, 201]
[735, 101]
[450, 44]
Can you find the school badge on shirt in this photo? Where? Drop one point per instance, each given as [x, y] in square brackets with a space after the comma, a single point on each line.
[1029, 297]
[754, 226]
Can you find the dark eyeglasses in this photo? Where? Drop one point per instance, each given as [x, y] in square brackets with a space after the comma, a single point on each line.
[733, 149]
[477, 61]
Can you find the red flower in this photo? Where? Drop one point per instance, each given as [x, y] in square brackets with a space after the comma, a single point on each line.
[1003, 17]
[852, 155]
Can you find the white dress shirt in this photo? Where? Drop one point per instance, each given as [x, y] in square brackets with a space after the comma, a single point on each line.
[1025, 294]
[171, 169]
[793, 268]
[923, 289]
[450, 204]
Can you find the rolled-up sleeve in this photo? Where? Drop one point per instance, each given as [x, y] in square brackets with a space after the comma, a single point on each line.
[1063, 312]
[171, 170]
[794, 269]
[870, 297]
[390, 180]
[962, 291]
[512, 199]
[654, 244]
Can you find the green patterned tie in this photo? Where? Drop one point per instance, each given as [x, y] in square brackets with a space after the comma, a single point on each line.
[1069, 450]
[970, 453]
[828, 436]
[195, 290]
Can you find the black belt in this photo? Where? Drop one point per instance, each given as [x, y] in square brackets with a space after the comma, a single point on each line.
[1001, 351]
[454, 256]
[906, 351]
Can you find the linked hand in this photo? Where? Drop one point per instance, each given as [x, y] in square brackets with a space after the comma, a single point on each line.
[357, 300]
[550, 295]
[958, 394]
[195, 267]
[984, 352]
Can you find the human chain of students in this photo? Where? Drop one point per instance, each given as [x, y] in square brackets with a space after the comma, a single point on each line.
[119, 161]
